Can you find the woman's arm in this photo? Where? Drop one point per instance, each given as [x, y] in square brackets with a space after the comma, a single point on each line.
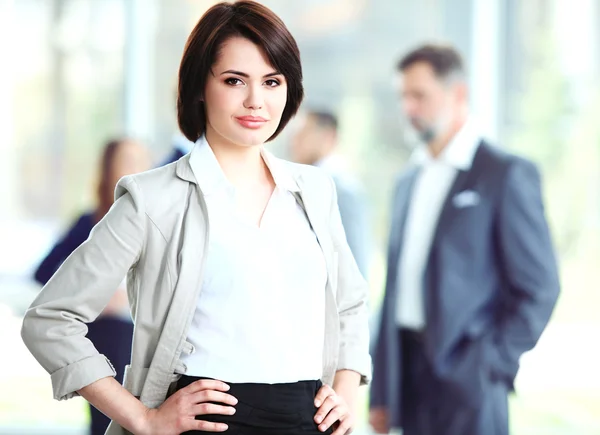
[108, 396]
[118, 303]
[352, 301]
[54, 328]
[337, 405]
[176, 415]
[345, 384]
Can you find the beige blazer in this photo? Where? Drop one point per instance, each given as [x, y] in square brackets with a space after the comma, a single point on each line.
[156, 233]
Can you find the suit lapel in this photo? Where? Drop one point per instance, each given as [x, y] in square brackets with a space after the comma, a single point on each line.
[465, 180]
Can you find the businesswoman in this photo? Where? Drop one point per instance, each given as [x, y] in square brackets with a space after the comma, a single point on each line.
[250, 312]
[112, 331]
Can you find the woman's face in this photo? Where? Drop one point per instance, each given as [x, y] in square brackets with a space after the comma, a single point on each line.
[244, 96]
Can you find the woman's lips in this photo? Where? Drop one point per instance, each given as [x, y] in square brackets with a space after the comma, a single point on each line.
[253, 122]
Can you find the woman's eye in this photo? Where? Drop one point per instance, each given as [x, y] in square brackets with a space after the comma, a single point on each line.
[272, 83]
[233, 81]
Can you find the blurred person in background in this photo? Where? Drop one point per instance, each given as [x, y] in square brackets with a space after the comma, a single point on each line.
[250, 312]
[472, 277]
[315, 142]
[180, 146]
[112, 331]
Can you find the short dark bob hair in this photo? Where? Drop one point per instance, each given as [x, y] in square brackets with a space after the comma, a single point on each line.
[247, 19]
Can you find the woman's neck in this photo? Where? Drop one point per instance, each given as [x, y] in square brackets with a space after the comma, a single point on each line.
[242, 165]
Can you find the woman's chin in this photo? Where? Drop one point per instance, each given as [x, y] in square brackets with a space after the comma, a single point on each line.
[254, 137]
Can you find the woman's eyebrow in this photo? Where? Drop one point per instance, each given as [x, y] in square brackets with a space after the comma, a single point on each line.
[243, 74]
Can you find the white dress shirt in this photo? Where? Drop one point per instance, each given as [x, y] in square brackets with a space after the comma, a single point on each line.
[262, 303]
[433, 182]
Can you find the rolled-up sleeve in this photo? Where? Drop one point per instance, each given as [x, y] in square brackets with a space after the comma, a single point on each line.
[54, 328]
[352, 302]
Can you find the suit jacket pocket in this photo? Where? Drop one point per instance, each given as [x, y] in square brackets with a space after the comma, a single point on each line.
[464, 377]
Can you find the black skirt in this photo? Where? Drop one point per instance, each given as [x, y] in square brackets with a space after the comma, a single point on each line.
[269, 409]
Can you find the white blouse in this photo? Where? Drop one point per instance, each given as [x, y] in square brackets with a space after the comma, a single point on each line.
[262, 302]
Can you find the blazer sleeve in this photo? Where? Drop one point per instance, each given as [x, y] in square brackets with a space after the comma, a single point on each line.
[352, 302]
[528, 264]
[54, 328]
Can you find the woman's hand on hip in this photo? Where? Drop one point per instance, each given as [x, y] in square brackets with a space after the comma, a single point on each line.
[333, 412]
[178, 413]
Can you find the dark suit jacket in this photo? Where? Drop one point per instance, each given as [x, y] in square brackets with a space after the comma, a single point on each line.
[490, 284]
[175, 155]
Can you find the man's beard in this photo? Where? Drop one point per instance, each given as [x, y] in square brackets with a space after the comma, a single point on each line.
[427, 134]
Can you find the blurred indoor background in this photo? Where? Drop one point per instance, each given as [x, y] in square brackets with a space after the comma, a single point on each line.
[74, 73]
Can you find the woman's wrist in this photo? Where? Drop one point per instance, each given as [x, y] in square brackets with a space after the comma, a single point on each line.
[142, 423]
[346, 384]
[119, 405]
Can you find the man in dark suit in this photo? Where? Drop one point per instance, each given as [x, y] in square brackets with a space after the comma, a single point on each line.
[472, 279]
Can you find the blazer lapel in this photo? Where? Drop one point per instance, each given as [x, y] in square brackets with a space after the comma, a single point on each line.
[194, 229]
[316, 221]
[317, 218]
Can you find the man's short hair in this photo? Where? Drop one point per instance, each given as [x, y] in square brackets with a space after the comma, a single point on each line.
[445, 60]
[324, 118]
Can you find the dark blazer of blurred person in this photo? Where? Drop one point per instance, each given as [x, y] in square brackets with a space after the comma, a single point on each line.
[111, 333]
[472, 279]
[315, 142]
[180, 146]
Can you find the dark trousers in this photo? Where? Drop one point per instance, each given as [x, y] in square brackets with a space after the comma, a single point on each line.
[112, 337]
[267, 409]
[435, 406]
